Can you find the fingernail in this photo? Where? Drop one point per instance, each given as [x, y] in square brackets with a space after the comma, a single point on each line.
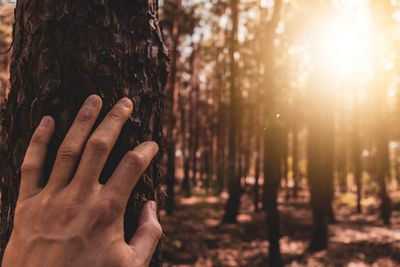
[92, 100]
[126, 102]
[153, 205]
[45, 121]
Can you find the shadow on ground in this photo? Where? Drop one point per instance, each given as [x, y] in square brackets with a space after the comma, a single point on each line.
[195, 237]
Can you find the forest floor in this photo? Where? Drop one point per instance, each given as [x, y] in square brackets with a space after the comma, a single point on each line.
[195, 237]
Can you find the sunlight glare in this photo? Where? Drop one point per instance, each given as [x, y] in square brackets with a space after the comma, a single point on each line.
[342, 46]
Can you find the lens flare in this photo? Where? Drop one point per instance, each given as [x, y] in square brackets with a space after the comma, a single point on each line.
[343, 46]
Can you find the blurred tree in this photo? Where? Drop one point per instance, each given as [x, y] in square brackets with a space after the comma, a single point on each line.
[274, 139]
[384, 22]
[356, 152]
[175, 32]
[320, 166]
[383, 169]
[234, 176]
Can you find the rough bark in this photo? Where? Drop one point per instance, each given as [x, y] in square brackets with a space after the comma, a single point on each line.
[6, 20]
[64, 51]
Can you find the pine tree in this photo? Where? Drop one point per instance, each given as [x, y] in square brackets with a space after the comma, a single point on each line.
[64, 51]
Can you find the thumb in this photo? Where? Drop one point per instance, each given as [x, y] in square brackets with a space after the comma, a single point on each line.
[148, 233]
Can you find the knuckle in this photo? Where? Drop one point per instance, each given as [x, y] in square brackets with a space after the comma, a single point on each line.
[136, 159]
[68, 211]
[67, 153]
[117, 113]
[38, 137]
[107, 210]
[20, 209]
[28, 168]
[44, 203]
[85, 115]
[99, 144]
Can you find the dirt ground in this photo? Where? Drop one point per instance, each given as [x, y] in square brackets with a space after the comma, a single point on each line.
[195, 237]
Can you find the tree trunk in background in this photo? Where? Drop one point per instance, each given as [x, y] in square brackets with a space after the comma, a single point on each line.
[64, 51]
[397, 166]
[285, 165]
[273, 142]
[187, 126]
[195, 118]
[273, 146]
[195, 131]
[320, 168]
[329, 163]
[356, 156]
[257, 169]
[234, 188]
[383, 169]
[341, 156]
[295, 163]
[207, 148]
[185, 141]
[207, 164]
[220, 160]
[170, 179]
[248, 148]
[382, 13]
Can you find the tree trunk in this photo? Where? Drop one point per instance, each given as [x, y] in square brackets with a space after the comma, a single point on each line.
[170, 179]
[195, 105]
[273, 142]
[234, 187]
[187, 128]
[272, 177]
[285, 165]
[356, 155]
[320, 169]
[64, 51]
[247, 145]
[295, 163]
[220, 160]
[185, 187]
[383, 170]
[341, 156]
[257, 170]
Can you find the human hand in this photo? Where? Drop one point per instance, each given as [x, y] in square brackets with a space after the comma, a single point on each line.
[75, 221]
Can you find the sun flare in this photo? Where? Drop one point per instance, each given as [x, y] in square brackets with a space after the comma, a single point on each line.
[343, 46]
